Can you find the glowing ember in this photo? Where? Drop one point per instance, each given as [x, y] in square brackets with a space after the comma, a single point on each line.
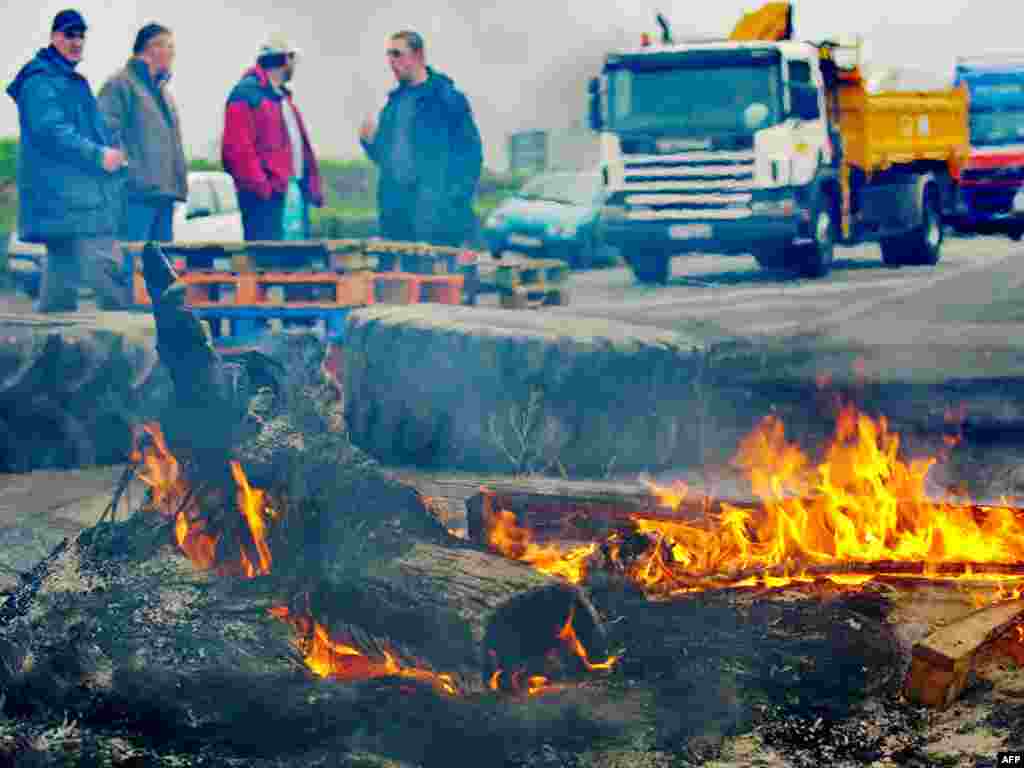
[539, 684]
[862, 506]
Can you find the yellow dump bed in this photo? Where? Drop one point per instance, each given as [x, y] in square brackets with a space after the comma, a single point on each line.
[880, 130]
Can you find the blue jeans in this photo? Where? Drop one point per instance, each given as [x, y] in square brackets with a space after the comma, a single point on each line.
[143, 220]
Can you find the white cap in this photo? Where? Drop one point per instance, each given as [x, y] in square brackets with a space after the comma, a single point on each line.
[277, 46]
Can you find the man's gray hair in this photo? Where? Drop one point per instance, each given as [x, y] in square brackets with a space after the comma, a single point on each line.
[413, 39]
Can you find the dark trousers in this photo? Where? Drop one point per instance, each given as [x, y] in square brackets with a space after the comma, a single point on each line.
[419, 215]
[264, 220]
[261, 219]
[74, 261]
[143, 220]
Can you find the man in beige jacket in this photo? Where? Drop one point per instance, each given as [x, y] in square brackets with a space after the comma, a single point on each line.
[144, 119]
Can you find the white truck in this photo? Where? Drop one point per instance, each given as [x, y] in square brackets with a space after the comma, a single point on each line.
[771, 147]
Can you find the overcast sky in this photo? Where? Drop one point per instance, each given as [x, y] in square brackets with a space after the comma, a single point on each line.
[522, 63]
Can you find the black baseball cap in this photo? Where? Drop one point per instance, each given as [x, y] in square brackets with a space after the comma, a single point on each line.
[69, 19]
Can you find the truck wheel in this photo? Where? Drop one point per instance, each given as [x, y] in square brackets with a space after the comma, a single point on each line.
[925, 243]
[815, 260]
[651, 266]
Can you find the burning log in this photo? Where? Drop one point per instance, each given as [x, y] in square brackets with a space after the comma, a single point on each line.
[578, 511]
[941, 663]
[300, 586]
[860, 513]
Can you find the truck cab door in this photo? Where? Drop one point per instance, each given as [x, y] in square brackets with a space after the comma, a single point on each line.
[812, 146]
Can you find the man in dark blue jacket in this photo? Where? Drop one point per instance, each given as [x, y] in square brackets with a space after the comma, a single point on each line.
[427, 147]
[68, 180]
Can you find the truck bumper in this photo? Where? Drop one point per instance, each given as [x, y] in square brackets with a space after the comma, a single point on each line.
[774, 220]
[989, 210]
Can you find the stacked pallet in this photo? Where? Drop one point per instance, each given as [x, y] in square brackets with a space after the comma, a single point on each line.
[244, 289]
[532, 283]
[413, 273]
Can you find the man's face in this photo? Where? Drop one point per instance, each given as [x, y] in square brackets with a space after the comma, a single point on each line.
[161, 52]
[69, 43]
[403, 61]
[288, 69]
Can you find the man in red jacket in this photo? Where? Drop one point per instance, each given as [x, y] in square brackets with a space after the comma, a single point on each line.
[267, 151]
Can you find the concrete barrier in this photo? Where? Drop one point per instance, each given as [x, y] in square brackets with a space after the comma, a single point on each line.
[489, 389]
[69, 394]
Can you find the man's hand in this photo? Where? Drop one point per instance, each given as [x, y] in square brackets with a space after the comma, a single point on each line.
[113, 160]
[368, 130]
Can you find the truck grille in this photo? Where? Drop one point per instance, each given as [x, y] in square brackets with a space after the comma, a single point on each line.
[709, 185]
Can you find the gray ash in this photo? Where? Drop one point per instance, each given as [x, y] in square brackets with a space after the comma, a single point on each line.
[810, 738]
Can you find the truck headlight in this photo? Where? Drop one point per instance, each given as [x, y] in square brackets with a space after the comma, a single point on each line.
[558, 229]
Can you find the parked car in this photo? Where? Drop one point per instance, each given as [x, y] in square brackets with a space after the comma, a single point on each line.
[211, 213]
[553, 214]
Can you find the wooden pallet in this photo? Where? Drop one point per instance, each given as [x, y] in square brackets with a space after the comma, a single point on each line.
[525, 297]
[532, 274]
[406, 288]
[296, 289]
[238, 328]
[416, 258]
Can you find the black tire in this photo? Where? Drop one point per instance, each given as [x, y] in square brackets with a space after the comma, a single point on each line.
[923, 245]
[652, 266]
[583, 254]
[1016, 233]
[772, 258]
[925, 242]
[894, 251]
[815, 259]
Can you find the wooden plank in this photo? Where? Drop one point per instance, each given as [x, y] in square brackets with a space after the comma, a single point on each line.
[941, 663]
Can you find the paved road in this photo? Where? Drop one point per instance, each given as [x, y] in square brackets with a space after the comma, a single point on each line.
[973, 285]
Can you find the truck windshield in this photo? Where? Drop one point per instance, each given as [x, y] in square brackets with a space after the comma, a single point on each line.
[995, 128]
[695, 101]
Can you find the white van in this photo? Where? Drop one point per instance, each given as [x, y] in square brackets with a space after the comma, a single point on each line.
[210, 214]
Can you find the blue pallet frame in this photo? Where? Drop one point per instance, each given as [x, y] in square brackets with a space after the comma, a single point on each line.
[249, 324]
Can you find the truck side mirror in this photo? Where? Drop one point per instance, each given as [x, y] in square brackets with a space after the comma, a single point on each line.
[596, 120]
[804, 102]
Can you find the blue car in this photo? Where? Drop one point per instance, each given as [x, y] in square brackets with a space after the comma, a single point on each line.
[553, 215]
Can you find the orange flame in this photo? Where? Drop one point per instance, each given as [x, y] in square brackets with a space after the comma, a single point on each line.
[171, 497]
[330, 658]
[861, 505]
[507, 538]
[325, 656]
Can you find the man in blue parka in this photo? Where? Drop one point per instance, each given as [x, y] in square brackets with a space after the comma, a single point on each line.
[68, 174]
[427, 147]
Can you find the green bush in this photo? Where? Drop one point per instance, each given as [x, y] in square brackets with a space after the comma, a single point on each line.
[340, 224]
[202, 164]
[8, 159]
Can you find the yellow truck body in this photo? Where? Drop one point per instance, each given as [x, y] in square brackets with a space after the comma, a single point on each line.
[878, 130]
[888, 128]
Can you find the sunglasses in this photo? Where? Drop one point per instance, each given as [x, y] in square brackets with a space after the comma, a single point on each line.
[74, 34]
[394, 53]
